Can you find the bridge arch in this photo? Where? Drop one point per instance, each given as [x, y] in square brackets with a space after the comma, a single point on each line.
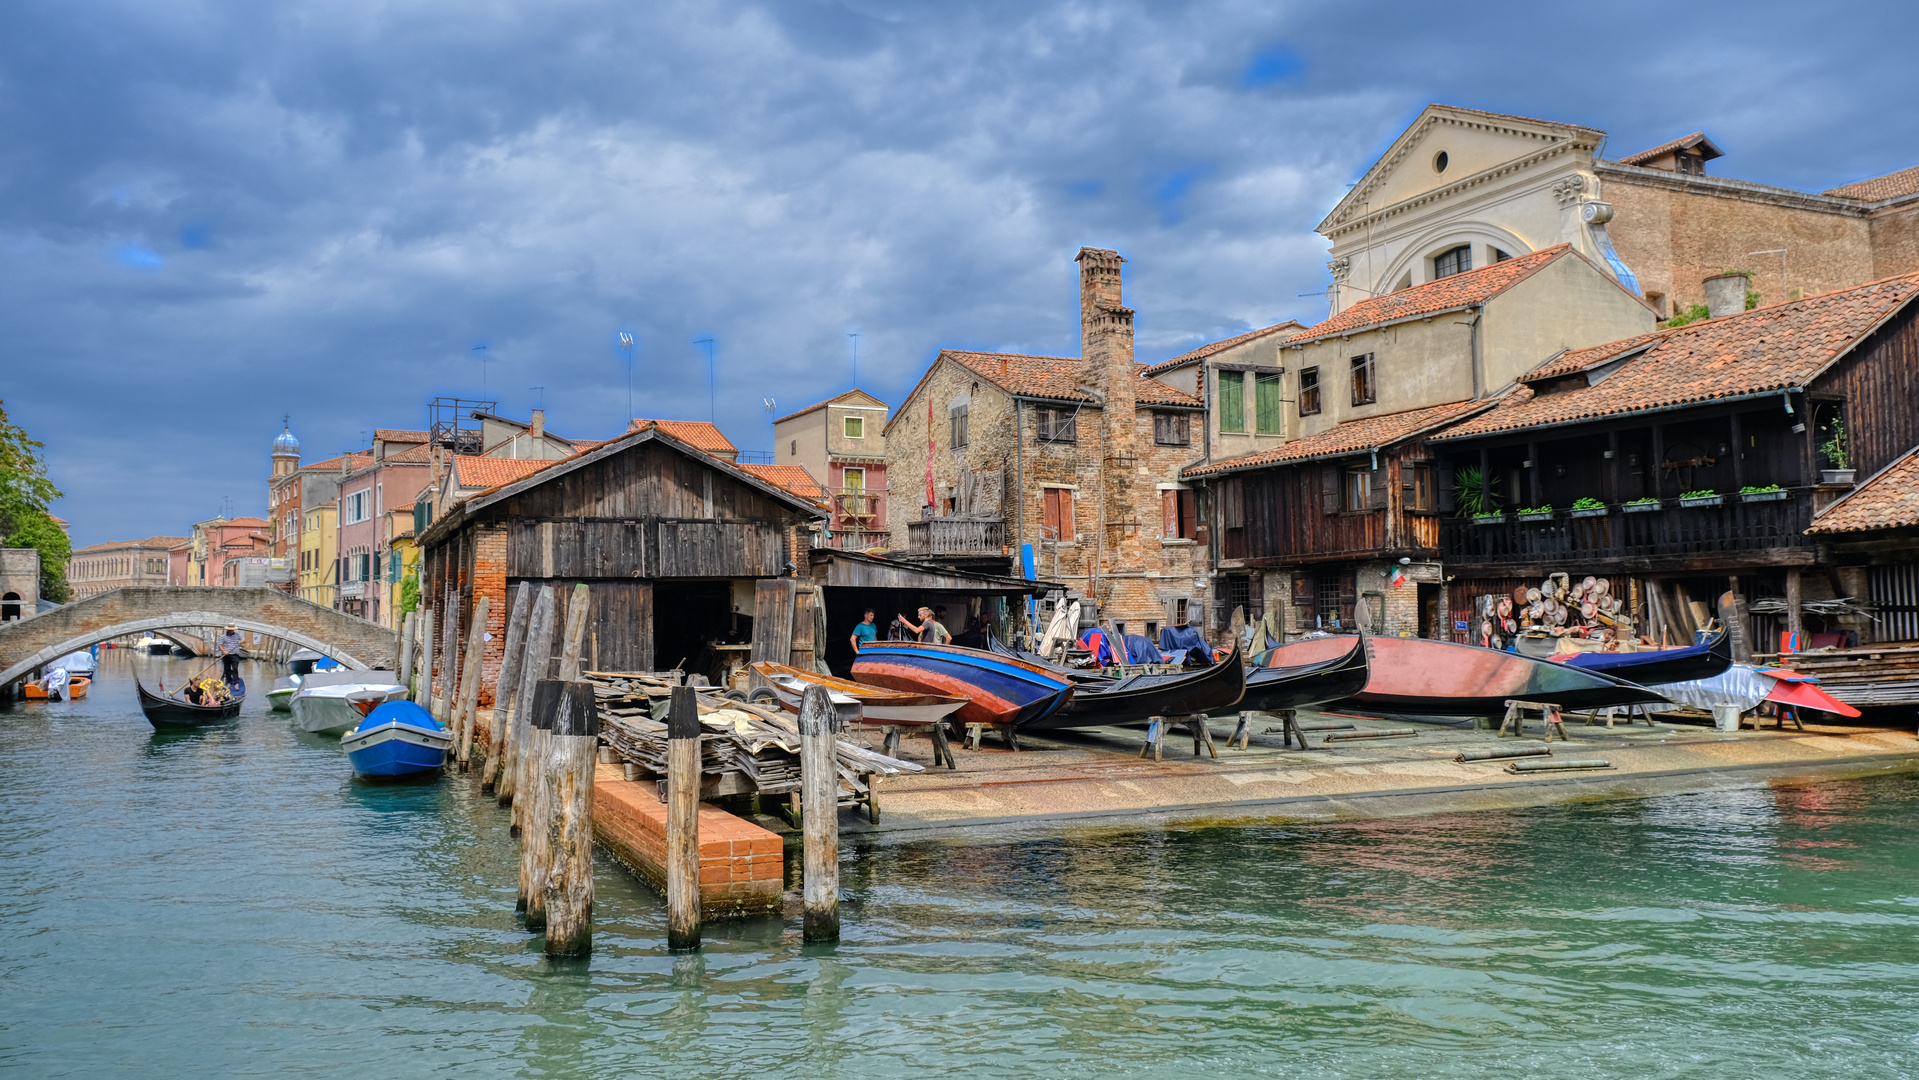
[173, 621]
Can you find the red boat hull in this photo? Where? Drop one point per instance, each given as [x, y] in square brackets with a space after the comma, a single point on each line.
[1418, 675]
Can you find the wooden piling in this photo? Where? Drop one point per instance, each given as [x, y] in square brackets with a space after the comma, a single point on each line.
[450, 655]
[683, 819]
[425, 693]
[530, 804]
[572, 738]
[820, 821]
[407, 628]
[539, 649]
[469, 704]
[505, 690]
[575, 636]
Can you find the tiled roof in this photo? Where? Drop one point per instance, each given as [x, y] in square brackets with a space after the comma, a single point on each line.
[1769, 348]
[1217, 347]
[1446, 294]
[1684, 142]
[1880, 188]
[1889, 500]
[793, 478]
[1056, 377]
[697, 434]
[399, 435]
[245, 521]
[818, 405]
[485, 472]
[160, 542]
[1351, 437]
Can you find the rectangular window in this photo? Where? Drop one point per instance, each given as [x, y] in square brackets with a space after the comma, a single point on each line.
[959, 427]
[854, 426]
[1309, 391]
[1058, 513]
[1232, 401]
[1365, 392]
[1359, 489]
[1172, 429]
[1179, 515]
[353, 508]
[1058, 425]
[1266, 403]
[1423, 496]
[394, 567]
[853, 479]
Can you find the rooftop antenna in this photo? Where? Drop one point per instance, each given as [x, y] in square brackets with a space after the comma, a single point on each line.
[481, 349]
[626, 346]
[770, 406]
[712, 408]
[856, 358]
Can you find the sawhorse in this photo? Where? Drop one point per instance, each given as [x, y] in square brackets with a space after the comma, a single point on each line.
[942, 750]
[1195, 726]
[1612, 712]
[1550, 714]
[1005, 731]
[1288, 729]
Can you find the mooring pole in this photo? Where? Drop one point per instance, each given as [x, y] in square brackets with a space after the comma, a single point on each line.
[425, 692]
[683, 820]
[539, 648]
[470, 688]
[531, 803]
[820, 814]
[505, 691]
[574, 737]
[407, 626]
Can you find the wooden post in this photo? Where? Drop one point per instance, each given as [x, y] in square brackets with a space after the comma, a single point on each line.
[1738, 452]
[425, 693]
[572, 740]
[1612, 469]
[820, 792]
[505, 691]
[470, 687]
[575, 635]
[942, 750]
[407, 627]
[539, 647]
[1795, 616]
[450, 655]
[531, 803]
[1532, 474]
[683, 816]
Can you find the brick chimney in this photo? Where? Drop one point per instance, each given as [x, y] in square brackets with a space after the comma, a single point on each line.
[1106, 358]
[538, 427]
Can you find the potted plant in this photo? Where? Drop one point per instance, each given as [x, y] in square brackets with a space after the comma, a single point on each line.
[1838, 455]
[1474, 499]
[1640, 506]
[1588, 507]
[1766, 493]
[1703, 497]
[1537, 513]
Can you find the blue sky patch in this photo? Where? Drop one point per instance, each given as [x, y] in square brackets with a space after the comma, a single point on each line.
[1273, 65]
[139, 258]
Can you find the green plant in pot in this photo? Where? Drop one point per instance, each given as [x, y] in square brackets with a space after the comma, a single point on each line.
[1472, 494]
[1838, 454]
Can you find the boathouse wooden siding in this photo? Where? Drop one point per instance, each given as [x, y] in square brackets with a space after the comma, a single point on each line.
[1292, 514]
[1879, 383]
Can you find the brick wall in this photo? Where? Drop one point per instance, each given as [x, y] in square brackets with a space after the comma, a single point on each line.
[742, 866]
[489, 580]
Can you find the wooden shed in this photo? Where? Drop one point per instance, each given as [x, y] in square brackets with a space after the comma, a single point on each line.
[671, 542]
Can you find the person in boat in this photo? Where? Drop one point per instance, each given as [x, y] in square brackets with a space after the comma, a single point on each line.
[866, 631]
[229, 644]
[194, 695]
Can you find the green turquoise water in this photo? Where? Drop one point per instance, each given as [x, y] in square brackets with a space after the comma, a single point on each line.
[229, 903]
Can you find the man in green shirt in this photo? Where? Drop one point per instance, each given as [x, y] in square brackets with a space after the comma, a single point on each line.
[866, 631]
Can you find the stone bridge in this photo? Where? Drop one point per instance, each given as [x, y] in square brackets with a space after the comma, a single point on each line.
[27, 644]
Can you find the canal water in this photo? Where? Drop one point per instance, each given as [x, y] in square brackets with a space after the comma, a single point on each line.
[229, 902]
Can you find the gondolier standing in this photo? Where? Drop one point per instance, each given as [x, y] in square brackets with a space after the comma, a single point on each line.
[229, 644]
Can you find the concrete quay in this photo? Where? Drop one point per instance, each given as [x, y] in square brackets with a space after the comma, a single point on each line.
[1096, 778]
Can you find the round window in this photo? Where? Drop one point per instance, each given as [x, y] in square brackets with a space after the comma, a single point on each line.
[1439, 161]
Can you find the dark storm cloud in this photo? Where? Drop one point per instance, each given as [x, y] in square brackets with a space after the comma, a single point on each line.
[213, 213]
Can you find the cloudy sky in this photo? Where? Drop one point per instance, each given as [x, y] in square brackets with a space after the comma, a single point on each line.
[215, 212]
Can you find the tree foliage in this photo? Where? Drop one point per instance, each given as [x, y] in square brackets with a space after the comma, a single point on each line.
[25, 494]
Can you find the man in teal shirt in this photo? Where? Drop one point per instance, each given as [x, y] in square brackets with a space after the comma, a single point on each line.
[866, 631]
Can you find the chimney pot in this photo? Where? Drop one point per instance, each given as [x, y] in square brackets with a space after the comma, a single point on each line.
[1725, 295]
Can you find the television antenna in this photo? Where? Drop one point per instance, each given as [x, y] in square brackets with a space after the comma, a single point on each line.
[856, 358]
[626, 345]
[771, 407]
[481, 349]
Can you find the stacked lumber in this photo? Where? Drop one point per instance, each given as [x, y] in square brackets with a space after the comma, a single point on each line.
[1870, 675]
[758, 743]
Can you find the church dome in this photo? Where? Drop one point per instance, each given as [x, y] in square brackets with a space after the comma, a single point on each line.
[285, 443]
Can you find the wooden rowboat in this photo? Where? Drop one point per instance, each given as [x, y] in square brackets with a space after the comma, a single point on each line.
[878, 705]
[998, 689]
[1418, 675]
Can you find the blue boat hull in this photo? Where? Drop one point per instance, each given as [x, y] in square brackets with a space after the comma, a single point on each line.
[394, 755]
[998, 689]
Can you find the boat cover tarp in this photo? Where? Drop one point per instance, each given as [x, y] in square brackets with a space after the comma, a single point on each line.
[1185, 644]
[1746, 687]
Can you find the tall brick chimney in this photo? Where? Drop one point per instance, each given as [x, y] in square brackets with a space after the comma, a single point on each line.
[1106, 356]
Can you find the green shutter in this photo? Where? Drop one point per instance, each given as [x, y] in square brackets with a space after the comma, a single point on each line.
[1266, 404]
[1232, 401]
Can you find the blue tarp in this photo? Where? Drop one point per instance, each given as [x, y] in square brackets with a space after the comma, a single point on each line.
[1184, 641]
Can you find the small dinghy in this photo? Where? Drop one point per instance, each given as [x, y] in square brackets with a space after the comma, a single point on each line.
[334, 702]
[396, 739]
[280, 698]
[168, 711]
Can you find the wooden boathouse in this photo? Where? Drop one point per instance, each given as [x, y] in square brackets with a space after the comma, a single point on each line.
[672, 542]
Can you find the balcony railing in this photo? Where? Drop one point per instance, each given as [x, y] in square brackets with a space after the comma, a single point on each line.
[956, 536]
[853, 539]
[859, 507]
[1733, 527]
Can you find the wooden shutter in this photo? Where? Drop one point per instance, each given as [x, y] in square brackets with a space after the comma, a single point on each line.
[1188, 509]
[1169, 514]
[1443, 477]
[773, 620]
[1329, 480]
[1065, 513]
[1049, 516]
[1376, 485]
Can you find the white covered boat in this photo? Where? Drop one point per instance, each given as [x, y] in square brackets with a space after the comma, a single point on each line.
[334, 702]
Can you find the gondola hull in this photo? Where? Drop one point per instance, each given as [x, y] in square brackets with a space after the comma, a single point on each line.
[164, 712]
[1269, 689]
[998, 689]
[1139, 698]
[1418, 675]
[1663, 666]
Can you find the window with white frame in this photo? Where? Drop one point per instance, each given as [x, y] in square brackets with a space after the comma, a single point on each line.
[353, 508]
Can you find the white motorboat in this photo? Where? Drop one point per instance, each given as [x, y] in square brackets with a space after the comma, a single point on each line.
[280, 698]
[334, 702]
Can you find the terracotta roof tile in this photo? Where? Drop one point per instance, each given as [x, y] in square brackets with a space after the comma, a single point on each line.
[1217, 347]
[1056, 377]
[1889, 500]
[245, 521]
[158, 542]
[1446, 294]
[793, 478]
[1880, 188]
[1351, 437]
[475, 471]
[1769, 348]
[399, 435]
[697, 434]
[1684, 142]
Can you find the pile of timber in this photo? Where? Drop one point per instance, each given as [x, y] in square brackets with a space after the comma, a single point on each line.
[1872, 675]
[758, 743]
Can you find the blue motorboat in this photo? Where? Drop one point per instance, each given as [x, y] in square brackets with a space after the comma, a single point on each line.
[398, 738]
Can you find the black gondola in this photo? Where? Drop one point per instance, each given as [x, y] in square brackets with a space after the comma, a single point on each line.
[1664, 665]
[168, 712]
[1136, 699]
[1271, 688]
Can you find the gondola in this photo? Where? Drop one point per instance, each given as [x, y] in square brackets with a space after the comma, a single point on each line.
[1419, 675]
[1661, 665]
[170, 712]
[1136, 699]
[998, 689]
[1297, 686]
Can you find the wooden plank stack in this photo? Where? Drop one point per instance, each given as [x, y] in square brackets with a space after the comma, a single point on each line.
[1870, 675]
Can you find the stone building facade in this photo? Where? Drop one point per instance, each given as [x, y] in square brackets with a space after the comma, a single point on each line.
[99, 568]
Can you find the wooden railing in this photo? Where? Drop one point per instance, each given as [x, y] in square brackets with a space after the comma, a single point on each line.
[854, 539]
[955, 536]
[1733, 527]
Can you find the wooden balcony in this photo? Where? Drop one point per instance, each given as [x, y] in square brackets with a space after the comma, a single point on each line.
[1733, 533]
[956, 536]
[854, 539]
